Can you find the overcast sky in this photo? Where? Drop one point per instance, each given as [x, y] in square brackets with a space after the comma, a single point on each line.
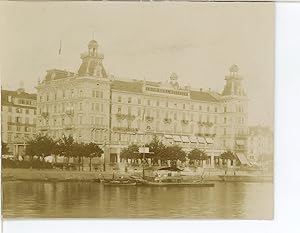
[198, 41]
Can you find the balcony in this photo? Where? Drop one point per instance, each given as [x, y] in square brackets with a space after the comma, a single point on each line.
[184, 122]
[44, 128]
[69, 127]
[207, 124]
[167, 120]
[125, 129]
[125, 116]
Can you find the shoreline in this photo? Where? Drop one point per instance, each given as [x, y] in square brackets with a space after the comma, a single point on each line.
[50, 175]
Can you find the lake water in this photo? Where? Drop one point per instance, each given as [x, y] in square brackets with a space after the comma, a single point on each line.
[93, 200]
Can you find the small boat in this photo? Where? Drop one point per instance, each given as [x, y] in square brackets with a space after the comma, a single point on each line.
[181, 184]
[246, 178]
[119, 182]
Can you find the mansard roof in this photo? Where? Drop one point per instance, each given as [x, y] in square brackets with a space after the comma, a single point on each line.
[56, 74]
[204, 96]
[129, 86]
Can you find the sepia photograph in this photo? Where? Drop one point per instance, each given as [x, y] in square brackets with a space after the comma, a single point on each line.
[137, 110]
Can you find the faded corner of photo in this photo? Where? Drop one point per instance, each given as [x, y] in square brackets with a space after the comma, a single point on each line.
[137, 110]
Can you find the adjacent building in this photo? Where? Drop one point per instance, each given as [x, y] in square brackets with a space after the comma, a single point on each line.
[260, 144]
[18, 111]
[93, 106]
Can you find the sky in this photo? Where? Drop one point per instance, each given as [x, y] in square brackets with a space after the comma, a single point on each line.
[197, 41]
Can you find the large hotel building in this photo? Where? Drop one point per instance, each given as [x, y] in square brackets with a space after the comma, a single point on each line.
[92, 106]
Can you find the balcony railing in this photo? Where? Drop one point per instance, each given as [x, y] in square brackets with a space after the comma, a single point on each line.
[207, 124]
[167, 120]
[185, 122]
[125, 129]
[125, 116]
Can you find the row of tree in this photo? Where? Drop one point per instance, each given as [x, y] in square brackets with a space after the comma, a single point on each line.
[159, 151]
[43, 146]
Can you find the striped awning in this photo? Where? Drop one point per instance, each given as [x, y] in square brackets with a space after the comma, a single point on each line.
[167, 136]
[193, 139]
[209, 140]
[243, 159]
[176, 138]
[240, 142]
[185, 139]
[201, 140]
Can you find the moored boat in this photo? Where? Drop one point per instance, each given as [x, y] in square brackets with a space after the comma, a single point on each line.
[246, 178]
[119, 182]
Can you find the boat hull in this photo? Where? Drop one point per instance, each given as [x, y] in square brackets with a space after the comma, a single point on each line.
[162, 184]
[247, 178]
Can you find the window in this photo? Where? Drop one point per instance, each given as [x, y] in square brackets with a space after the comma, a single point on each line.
[225, 109]
[64, 94]
[27, 129]
[9, 119]
[19, 110]
[175, 116]
[9, 127]
[139, 111]
[129, 110]
[80, 93]
[183, 106]
[129, 100]
[224, 131]
[216, 109]
[72, 93]
[119, 99]
[119, 110]
[9, 109]
[157, 113]
[97, 120]
[80, 106]
[55, 96]
[192, 107]
[47, 97]
[54, 108]
[80, 120]
[148, 102]
[157, 103]
[139, 101]
[97, 94]
[34, 111]
[27, 120]
[18, 128]
[101, 108]
[97, 107]
[93, 106]
[192, 117]
[27, 111]
[216, 119]
[18, 119]
[207, 108]
[225, 120]
[200, 107]
[101, 94]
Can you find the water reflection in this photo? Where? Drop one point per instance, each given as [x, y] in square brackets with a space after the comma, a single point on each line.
[72, 199]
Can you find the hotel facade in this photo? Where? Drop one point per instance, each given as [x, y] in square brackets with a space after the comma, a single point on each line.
[18, 119]
[93, 106]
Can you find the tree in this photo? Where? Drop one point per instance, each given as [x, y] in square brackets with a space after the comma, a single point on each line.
[197, 155]
[4, 148]
[65, 147]
[175, 153]
[157, 149]
[92, 150]
[227, 155]
[40, 146]
[131, 152]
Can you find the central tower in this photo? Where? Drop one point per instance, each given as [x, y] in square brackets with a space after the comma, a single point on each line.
[92, 62]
